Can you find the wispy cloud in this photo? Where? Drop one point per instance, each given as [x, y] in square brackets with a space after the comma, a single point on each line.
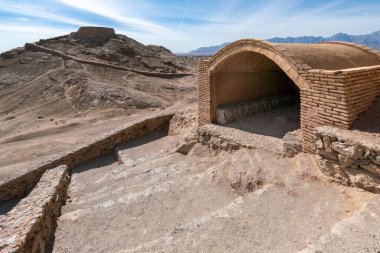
[111, 10]
[187, 24]
[40, 12]
[183, 16]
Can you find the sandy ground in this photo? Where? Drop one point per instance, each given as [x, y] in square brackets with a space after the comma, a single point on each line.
[162, 201]
[30, 145]
[31, 132]
[44, 138]
[48, 104]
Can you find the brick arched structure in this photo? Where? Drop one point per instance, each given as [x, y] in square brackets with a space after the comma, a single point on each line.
[336, 80]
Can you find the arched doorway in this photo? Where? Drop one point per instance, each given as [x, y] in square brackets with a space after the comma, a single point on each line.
[252, 93]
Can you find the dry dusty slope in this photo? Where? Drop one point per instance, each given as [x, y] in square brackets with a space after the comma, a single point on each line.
[47, 103]
[159, 200]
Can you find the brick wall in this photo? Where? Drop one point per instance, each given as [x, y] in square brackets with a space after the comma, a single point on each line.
[204, 89]
[336, 98]
[328, 97]
[332, 98]
[362, 88]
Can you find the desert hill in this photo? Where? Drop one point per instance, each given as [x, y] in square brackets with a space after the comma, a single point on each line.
[43, 93]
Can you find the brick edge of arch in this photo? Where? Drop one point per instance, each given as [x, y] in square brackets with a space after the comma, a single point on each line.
[291, 67]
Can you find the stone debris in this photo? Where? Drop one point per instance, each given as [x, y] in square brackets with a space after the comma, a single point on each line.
[349, 157]
[27, 227]
[292, 143]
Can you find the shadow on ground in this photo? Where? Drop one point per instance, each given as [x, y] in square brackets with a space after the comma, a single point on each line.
[275, 123]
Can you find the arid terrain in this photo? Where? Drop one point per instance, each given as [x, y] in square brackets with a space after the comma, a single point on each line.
[49, 103]
[173, 189]
[153, 199]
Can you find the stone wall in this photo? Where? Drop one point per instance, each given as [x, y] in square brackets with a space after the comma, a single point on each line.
[97, 34]
[349, 157]
[336, 98]
[229, 139]
[38, 48]
[27, 227]
[25, 180]
[228, 113]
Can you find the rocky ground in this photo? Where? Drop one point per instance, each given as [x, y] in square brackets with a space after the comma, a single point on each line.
[153, 199]
[48, 103]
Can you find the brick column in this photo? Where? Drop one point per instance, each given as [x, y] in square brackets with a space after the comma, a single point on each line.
[322, 104]
[204, 93]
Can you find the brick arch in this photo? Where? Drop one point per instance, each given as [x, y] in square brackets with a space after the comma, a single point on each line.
[292, 68]
[337, 80]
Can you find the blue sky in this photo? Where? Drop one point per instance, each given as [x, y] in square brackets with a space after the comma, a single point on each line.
[183, 25]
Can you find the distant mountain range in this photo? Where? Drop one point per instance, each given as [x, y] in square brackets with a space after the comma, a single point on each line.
[370, 40]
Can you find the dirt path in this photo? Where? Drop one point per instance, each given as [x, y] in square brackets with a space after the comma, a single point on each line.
[37, 48]
[160, 201]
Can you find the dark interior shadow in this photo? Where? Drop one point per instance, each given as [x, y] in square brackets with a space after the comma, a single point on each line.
[143, 140]
[98, 162]
[8, 205]
[275, 123]
[111, 158]
[369, 121]
[49, 246]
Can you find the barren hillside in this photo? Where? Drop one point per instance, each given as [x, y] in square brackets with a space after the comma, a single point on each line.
[49, 102]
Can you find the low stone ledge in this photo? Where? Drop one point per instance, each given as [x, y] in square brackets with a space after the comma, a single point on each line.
[349, 157]
[293, 143]
[228, 113]
[22, 182]
[27, 227]
[226, 138]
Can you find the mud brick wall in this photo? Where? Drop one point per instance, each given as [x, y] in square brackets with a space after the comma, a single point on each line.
[99, 33]
[362, 88]
[336, 98]
[328, 97]
[204, 93]
[26, 228]
[349, 157]
[25, 180]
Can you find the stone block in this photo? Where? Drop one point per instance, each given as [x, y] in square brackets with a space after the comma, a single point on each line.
[371, 168]
[346, 161]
